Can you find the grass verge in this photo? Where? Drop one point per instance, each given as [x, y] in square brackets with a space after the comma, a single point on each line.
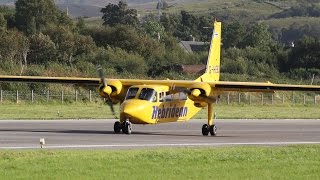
[288, 162]
[102, 111]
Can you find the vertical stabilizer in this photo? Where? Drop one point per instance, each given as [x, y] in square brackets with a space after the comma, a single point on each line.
[213, 64]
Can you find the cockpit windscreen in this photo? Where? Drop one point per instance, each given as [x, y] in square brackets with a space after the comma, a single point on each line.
[148, 95]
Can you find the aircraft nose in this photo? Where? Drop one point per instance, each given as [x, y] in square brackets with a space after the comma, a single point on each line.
[133, 109]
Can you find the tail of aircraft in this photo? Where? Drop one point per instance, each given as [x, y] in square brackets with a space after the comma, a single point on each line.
[213, 64]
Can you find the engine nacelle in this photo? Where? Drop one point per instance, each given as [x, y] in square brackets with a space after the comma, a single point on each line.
[200, 92]
[200, 89]
[113, 89]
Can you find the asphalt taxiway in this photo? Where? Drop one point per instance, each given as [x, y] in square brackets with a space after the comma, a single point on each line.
[63, 134]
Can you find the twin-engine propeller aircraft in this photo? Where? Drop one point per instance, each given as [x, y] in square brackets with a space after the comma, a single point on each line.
[162, 101]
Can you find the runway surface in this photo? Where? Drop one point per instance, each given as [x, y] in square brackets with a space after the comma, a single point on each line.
[89, 134]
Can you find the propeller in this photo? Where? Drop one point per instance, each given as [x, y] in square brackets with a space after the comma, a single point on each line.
[104, 84]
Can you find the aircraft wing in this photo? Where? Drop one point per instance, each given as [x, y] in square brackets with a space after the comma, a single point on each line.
[227, 85]
[58, 80]
[260, 87]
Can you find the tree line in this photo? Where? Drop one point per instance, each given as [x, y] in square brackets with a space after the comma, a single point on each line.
[39, 39]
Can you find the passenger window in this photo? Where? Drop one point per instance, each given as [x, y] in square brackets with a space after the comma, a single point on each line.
[162, 96]
[182, 96]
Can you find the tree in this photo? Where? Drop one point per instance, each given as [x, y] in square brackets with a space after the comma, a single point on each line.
[233, 35]
[153, 28]
[119, 14]
[10, 45]
[259, 37]
[34, 16]
[169, 22]
[128, 39]
[81, 25]
[305, 54]
[3, 23]
[42, 49]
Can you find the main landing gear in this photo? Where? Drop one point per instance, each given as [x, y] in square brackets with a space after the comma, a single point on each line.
[206, 129]
[210, 127]
[125, 127]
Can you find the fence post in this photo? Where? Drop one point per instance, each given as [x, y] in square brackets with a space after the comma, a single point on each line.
[17, 97]
[228, 98]
[262, 99]
[76, 95]
[1, 95]
[292, 98]
[48, 95]
[90, 99]
[32, 96]
[239, 98]
[62, 97]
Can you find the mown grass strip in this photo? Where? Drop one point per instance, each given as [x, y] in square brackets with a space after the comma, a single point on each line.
[250, 162]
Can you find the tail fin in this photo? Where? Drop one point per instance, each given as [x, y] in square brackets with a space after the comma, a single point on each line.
[213, 65]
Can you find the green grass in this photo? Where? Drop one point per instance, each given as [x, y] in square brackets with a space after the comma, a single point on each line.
[102, 111]
[288, 162]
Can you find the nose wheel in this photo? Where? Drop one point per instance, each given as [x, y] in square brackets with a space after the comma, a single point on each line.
[206, 129]
[125, 127]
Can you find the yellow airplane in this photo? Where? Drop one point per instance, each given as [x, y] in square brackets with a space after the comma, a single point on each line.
[162, 101]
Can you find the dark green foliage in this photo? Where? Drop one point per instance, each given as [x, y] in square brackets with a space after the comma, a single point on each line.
[233, 34]
[42, 50]
[154, 29]
[119, 14]
[128, 39]
[305, 54]
[3, 23]
[119, 61]
[296, 32]
[188, 26]
[34, 16]
[258, 36]
[301, 10]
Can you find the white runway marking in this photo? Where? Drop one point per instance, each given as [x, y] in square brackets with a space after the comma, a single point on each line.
[155, 145]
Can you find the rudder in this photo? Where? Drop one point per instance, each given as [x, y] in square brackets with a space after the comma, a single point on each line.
[212, 72]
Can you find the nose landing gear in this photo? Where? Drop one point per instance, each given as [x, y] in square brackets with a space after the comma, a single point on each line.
[126, 127]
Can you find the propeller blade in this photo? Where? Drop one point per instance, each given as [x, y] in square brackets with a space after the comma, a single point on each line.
[104, 83]
[101, 75]
[109, 102]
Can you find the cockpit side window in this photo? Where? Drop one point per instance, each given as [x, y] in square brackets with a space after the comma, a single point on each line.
[132, 93]
[148, 95]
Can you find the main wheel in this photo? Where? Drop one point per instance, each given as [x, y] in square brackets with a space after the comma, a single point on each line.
[213, 130]
[205, 130]
[117, 127]
[127, 128]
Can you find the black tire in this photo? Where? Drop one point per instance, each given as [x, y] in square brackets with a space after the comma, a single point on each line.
[117, 127]
[126, 128]
[213, 130]
[205, 130]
